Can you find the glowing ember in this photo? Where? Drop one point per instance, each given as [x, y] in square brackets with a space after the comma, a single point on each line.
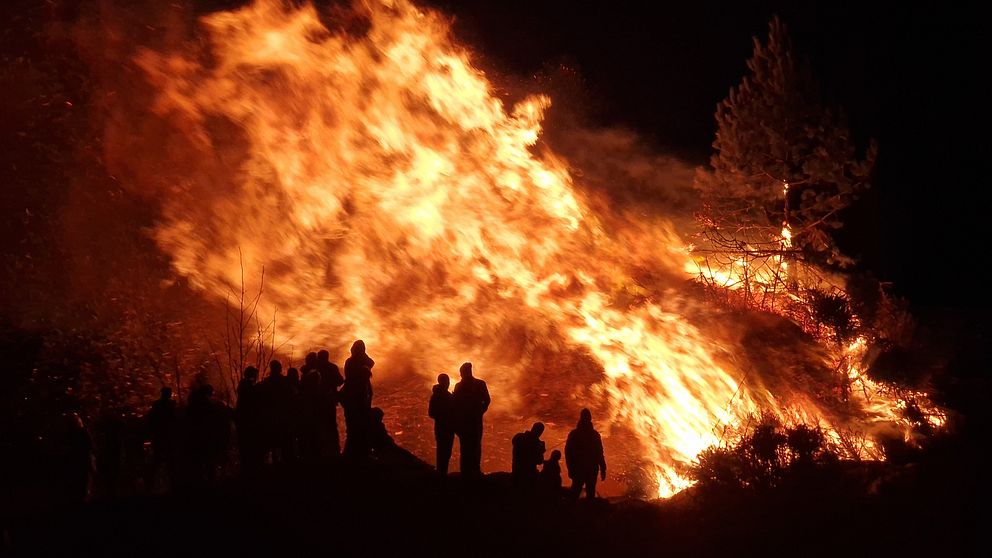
[391, 196]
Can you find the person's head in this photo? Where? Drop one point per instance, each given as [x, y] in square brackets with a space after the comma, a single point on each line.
[275, 368]
[466, 370]
[251, 373]
[323, 356]
[585, 417]
[358, 348]
[377, 414]
[310, 359]
[207, 390]
[165, 393]
[555, 455]
[293, 374]
[443, 380]
[537, 429]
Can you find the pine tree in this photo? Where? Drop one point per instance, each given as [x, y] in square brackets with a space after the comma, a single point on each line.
[784, 168]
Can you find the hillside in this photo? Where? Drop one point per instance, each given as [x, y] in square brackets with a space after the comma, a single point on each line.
[400, 508]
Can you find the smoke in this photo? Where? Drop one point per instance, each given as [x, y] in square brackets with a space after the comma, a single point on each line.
[620, 165]
[389, 197]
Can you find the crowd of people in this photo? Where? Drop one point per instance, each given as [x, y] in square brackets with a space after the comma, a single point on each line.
[291, 417]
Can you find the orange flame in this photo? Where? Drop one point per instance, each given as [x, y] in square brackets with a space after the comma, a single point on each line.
[391, 196]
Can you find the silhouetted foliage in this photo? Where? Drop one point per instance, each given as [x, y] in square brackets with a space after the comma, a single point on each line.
[783, 171]
[833, 310]
[782, 159]
[766, 456]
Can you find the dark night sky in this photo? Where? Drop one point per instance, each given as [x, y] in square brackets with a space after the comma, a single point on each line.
[908, 77]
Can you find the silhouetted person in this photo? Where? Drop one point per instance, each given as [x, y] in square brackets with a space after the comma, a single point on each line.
[248, 419]
[313, 406]
[549, 481]
[471, 401]
[379, 438]
[110, 453]
[329, 372]
[356, 399]
[78, 462]
[294, 417]
[528, 454]
[277, 398]
[163, 431]
[584, 456]
[441, 409]
[330, 382]
[208, 433]
[383, 447]
[358, 360]
[309, 363]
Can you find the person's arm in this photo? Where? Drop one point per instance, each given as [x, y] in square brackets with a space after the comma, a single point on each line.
[602, 459]
[486, 400]
[569, 453]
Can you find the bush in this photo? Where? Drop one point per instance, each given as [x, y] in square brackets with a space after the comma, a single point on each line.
[764, 457]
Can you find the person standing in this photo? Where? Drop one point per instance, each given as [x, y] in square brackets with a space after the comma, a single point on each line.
[276, 400]
[441, 409]
[248, 422]
[330, 382]
[584, 456]
[77, 462]
[162, 424]
[471, 401]
[356, 399]
[357, 362]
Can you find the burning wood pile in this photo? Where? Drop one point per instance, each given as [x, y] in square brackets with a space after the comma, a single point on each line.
[391, 194]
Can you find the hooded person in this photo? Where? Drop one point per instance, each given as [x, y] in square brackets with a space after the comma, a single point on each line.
[356, 399]
[584, 456]
[358, 360]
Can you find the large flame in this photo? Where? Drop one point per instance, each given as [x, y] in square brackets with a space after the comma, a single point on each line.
[391, 196]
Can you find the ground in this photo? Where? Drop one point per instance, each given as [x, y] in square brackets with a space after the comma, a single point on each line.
[399, 507]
